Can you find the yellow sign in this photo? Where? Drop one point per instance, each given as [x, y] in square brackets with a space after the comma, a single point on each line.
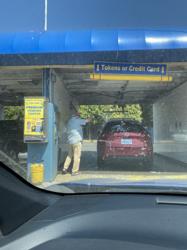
[34, 117]
[120, 77]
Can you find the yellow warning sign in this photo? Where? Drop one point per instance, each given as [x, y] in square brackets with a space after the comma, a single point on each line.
[34, 118]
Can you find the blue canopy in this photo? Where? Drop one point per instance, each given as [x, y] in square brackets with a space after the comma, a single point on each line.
[91, 41]
[85, 47]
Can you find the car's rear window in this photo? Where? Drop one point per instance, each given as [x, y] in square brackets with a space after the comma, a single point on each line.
[123, 126]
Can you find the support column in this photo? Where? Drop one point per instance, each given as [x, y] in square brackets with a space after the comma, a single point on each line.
[46, 153]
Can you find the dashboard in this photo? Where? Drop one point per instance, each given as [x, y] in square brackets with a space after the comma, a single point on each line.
[45, 220]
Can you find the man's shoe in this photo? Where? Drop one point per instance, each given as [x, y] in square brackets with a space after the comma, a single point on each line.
[75, 173]
[64, 171]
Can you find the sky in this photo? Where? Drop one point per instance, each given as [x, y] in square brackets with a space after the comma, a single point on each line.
[63, 15]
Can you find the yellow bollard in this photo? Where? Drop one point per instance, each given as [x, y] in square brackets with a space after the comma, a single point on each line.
[37, 173]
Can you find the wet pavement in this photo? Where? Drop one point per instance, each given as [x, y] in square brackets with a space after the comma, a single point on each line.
[161, 164]
[122, 171]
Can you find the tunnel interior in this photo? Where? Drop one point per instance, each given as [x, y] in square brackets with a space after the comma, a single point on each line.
[72, 87]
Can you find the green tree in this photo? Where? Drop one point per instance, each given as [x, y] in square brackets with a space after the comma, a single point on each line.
[14, 112]
[101, 113]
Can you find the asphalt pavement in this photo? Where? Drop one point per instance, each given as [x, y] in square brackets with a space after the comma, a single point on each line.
[122, 171]
[161, 164]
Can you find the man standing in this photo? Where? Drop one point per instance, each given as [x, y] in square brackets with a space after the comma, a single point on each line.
[74, 137]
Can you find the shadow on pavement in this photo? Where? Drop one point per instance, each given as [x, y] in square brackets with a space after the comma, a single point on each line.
[89, 163]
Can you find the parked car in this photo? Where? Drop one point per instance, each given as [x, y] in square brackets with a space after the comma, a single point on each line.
[124, 139]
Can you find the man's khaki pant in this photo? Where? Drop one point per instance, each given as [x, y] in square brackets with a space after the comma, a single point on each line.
[74, 152]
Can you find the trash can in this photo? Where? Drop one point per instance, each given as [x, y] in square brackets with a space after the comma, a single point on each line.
[37, 173]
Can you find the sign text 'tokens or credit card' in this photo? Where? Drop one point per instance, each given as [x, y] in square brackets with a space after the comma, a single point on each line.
[130, 69]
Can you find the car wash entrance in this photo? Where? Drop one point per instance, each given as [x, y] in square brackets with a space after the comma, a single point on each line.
[124, 111]
[131, 94]
[160, 123]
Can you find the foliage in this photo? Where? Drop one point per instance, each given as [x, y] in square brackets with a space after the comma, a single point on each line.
[98, 113]
[14, 112]
[102, 113]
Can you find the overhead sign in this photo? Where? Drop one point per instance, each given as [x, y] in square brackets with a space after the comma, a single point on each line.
[127, 71]
[35, 119]
[130, 69]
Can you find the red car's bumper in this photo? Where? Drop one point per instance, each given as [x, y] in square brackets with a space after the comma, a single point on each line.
[106, 151]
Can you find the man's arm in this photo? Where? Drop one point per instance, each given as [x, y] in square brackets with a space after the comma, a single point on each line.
[84, 121]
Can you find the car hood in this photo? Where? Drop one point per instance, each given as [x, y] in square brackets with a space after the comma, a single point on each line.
[113, 185]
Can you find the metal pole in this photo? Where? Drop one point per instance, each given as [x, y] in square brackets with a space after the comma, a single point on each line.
[46, 15]
[46, 83]
[48, 80]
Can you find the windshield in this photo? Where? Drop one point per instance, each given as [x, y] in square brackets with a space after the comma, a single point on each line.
[94, 101]
[123, 126]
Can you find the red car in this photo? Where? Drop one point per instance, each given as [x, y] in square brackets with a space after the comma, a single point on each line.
[124, 139]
